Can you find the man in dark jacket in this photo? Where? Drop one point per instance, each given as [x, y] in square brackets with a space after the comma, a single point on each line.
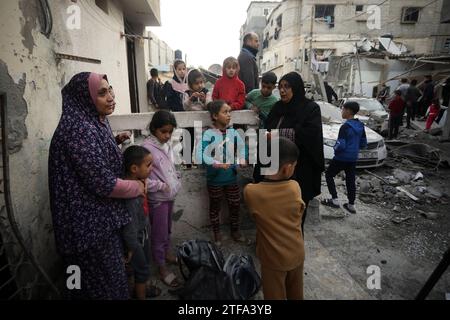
[412, 97]
[248, 72]
[428, 95]
[330, 92]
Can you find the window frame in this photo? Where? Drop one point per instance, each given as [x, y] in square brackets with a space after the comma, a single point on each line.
[404, 15]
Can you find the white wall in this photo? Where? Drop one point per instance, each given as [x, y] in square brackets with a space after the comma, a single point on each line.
[99, 38]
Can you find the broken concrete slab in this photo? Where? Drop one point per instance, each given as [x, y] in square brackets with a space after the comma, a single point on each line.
[364, 186]
[402, 176]
[434, 193]
[418, 176]
[430, 215]
[404, 191]
[398, 220]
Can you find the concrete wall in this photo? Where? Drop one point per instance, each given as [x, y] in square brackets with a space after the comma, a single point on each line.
[428, 35]
[32, 79]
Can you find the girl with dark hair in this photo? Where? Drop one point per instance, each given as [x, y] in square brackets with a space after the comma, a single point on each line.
[197, 96]
[299, 120]
[177, 86]
[163, 185]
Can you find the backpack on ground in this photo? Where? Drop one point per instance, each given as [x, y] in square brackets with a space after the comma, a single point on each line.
[246, 281]
[209, 278]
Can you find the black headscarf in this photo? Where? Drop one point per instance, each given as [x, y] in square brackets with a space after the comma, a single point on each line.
[289, 109]
[301, 116]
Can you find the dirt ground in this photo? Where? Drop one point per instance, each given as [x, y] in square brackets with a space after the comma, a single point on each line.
[390, 231]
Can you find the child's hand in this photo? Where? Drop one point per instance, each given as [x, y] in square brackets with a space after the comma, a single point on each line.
[254, 108]
[166, 188]
[243, 163]
[202, 96]
[225, 166]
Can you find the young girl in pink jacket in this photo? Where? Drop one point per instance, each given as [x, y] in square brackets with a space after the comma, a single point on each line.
[163, 186]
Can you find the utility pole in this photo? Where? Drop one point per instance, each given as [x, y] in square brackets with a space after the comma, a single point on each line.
[310, 43]
[359, 69]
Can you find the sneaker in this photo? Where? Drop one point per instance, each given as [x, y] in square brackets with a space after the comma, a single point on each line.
[350, 208]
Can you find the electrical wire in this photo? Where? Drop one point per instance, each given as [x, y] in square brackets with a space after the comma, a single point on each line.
[362, 13]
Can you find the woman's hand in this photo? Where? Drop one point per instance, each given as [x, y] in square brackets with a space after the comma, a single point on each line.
[122, 137]
[142, 188]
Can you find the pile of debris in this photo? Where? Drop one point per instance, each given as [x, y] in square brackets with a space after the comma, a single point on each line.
[402, 192]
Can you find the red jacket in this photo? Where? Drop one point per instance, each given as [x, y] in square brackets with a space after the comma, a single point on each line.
[396, 106]
[232, 90]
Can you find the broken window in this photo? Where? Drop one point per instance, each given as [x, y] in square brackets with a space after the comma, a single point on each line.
[410, 14]
[324, 11]
[102, 4]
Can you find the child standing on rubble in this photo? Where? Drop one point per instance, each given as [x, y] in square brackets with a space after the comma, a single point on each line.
[352, 138]
[433, 112]
[163, 186]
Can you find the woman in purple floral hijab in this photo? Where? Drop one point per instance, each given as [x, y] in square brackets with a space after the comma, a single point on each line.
[85, 164]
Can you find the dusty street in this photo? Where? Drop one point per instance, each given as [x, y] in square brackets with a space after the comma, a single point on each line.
[390, 231]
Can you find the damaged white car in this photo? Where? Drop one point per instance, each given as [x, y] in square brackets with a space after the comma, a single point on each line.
[371, 112]
[375, 153]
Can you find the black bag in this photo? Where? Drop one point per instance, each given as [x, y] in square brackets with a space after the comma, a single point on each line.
[241, 270]
[210, 279]
[206, 283]
[197, 253]
[206, 279]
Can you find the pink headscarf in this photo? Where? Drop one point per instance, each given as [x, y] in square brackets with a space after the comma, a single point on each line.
[94, 81]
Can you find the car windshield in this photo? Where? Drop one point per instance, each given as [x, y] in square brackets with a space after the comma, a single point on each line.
[369, 104]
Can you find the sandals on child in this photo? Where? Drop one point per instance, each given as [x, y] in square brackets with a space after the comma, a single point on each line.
[243, 240]
[152, 291]
[329, 203]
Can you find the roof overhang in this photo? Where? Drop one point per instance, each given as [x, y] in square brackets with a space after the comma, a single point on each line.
[145, 12]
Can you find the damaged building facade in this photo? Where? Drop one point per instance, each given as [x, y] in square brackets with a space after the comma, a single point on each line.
[305, 35]
[46, 43]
